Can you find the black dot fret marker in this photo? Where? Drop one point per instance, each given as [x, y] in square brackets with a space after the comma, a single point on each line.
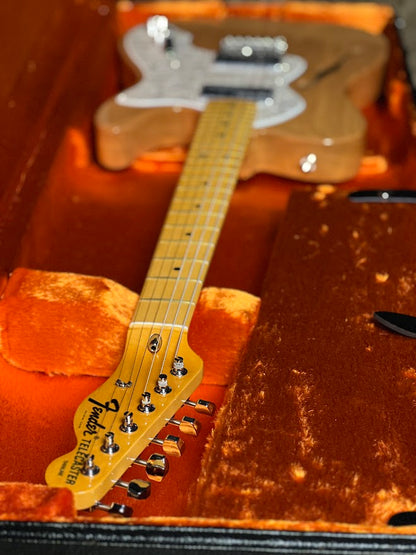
[177, 268]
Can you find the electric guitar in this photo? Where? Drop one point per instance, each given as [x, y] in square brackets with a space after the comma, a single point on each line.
[247, 86]
[314, 131]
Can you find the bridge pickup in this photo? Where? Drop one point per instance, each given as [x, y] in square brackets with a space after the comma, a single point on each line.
[249, 93]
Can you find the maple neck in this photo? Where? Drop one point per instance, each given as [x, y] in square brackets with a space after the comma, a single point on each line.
[196, 215]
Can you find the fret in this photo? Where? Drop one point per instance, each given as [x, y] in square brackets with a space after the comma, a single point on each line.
[166, 268]
[196, 214]
[198, 203]
[157, 326]
[175, 288]
[194, 190]
[192, 219]
[184, 249]
[179, 232]
[167, 311]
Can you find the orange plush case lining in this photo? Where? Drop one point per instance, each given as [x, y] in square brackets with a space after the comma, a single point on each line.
[91, 222]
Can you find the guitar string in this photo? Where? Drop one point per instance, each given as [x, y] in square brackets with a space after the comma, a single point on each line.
[121, 367]
[208, 244]
[196, 216]
[140, 342]
[191, 305]
[179, 304]
[239, 130]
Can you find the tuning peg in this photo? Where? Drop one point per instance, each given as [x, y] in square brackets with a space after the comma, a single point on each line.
[178, 367]
[109, 446]
[145, 403]
[128, 425]
[156, 466]
[187, 425]
[90, 468]
[162, 386]
[171, 445]
[115, 508]
[204, 407]
[139, 489]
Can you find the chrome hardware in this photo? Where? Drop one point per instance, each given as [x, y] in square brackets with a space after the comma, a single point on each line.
[308, 163]
[145, 404]
[162, 385]
[123, 385]
[201, 406]
[139, 489]
[171, 445]
[156, 466]
[155, 342]
[90, 468]
[157, 28]
[109, 446]
[128, 425]
[178, 368]
[115, 508]
[187, 425]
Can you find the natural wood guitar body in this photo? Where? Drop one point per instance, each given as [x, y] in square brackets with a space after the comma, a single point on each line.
[345, 73]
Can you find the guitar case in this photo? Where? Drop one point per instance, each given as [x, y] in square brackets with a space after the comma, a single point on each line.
[312, 447]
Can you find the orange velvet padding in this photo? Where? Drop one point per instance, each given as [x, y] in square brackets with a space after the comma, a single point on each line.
[60, 335]
[35, 502]
[71, 324]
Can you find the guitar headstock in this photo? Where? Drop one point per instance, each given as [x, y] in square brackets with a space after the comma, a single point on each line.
[113, 425]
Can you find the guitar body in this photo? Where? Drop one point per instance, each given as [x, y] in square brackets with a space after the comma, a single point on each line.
[319, 134]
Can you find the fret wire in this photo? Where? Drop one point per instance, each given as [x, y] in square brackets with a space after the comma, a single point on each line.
[188, 192]
[239, 127]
